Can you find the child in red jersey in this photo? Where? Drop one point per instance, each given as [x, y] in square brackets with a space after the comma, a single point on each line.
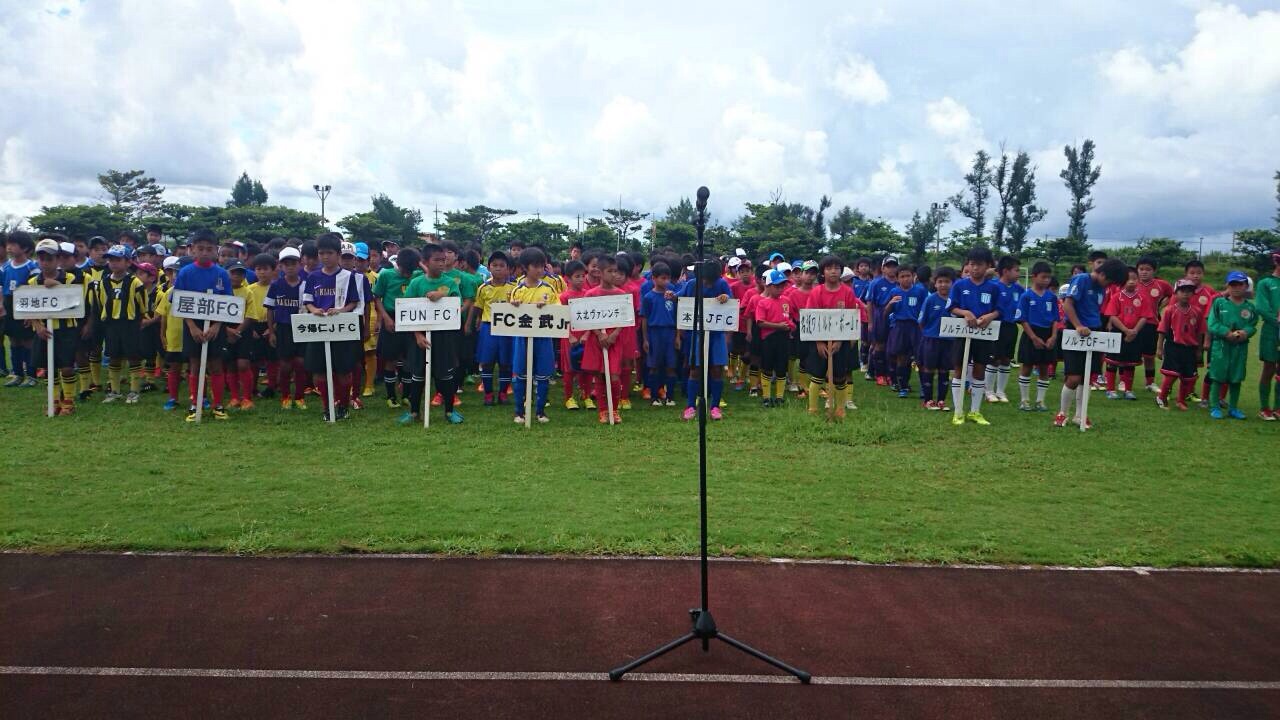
[597, 340]
[1180, 337]
[832, 294]
[1129, 312]
[1202, 297]
[571, 348]
[774, 322]
[628, 341]
[1160, 292]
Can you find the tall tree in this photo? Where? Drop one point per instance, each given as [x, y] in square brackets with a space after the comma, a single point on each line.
[624, 222]
[922, 231]
[473, 225]
[385, 221]
[81, 220]
[247, 192]
[597, 235]
[777, 226]
[819, 227]
[1055, 250]
[552, 237]
[978, 182]
[1024, 212]
[845, 224]
[132, 192]
[1080, 176]
[681, 212]
[1253, 248]
[1001, 182]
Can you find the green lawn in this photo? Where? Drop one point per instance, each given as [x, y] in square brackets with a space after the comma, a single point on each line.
[893, 483]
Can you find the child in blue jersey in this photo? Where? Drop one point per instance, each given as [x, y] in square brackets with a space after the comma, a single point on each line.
[1007, 302]
[861, 278]
[876, 300]
[974, 299]
[204, 276]
[15, 274]
[1082, 306]
[714, 289]
[934, 356]
[658, 325]
[1037, 313]
[902, 310]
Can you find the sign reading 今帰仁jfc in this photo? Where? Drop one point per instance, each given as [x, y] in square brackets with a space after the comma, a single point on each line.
[325, 328]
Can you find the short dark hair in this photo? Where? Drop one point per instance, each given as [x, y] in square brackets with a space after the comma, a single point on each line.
[946, 271]
[575, 244]
[1146, 260]
[408, 259]
[830, 261]
[660, 269]
[329, 241]
[308, 249]
[499, 256]
[266, 260]
[1079, 267]
[128, 234]
[22, 239]
[1007, 262]
[532, 256]
[470, 258]
[1097, 255]
[431, 250]
[449, 246]
[862, 260]
[203, 235]
[574, 266]
[623, 263]
[154, 228]
[1192, 263]
[1114, 270]
[605, 261]
[1041, 267]
[980, 254]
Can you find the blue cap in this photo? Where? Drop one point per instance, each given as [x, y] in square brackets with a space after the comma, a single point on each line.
[362, 251]
[775, 277]
[118, 251]
[1236, 276]
[776, 256]
[160, 249]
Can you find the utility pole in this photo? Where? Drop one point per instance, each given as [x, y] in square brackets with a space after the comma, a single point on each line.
[1200, 254]
[323, 192]
[435, 224]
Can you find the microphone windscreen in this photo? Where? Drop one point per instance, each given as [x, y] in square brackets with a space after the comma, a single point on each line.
[703, 194]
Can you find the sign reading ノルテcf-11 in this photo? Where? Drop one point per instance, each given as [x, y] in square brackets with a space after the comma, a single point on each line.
[1107, 342]
[716, 316]
[325, 328]
[63, 302]
[528, 320]
[424, 315]
[603, 311]
[956, 327]
[207, 306]
[830, 325]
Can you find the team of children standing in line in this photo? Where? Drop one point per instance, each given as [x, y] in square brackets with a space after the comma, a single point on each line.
[1186, 326]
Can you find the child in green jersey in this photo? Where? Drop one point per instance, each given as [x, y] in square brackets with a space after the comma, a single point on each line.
[1232, 320]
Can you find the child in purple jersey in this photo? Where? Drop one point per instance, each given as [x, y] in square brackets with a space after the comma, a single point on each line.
[331, 290]
[283, 301]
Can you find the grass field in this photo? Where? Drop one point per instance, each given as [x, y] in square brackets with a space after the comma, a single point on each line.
[892, 483]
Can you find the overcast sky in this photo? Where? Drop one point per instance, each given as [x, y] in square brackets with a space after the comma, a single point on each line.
[563, 107]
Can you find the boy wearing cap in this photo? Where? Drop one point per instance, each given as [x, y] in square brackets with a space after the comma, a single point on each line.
[332, 290]
[369, 370]
[775, 326]
[63, 331]
[1178, 342]
[351, 263]
[148, 331]
[1267, 299]
[14, 274]
[282, 301]
[203, 275]
[1232, 321]
[121, 307]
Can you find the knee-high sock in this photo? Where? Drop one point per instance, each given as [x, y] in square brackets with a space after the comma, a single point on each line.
[542, 383]
[1233, 396]
[1126, 376]
[114, 372]
[68, 385]
[1068, 399]
[95, 370]
[1042, 389]
[136, 371]
[171, 383]
[300, 378]
[715, 388]
[957, 394]
[273, 375]
[780, 388]
[766, 388]
[1186, 387]
[1004, 380]
[653, 381]
[569, 378]
[1264, 392]
[248, 383]
[693, 388]
[342, 388]
[448, 387]
[413, 393]
[389, 380]
[904, 376]
[815, 394]
[1166, 385]
[504, 378]
[1024, 389]
[82, 373]
[944, 382]
[192, 384]
[1111, 378]
[976, 391]
[1204, 387]
[926, 386]
[370, 370]
[216, 381]
[993, 377]
[1211, 396]
[1149, 370]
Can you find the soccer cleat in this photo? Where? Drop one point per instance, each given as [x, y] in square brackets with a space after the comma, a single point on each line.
[689, 413]
[1152, 387]
[617, 419]
[1128, 395]
[1060, 420]
[542, 419]
[1162, 402]
[848, 405]
[904, 393]
[394, 403]
[624, 404]
[148, 387]
[356, 404]
[657, 403]
[1236, 414]
[755, 392]
[12, 381]
[341, 413]
[368, 392]
[286, 404]
[300, 404]
[29, 382]
[519, 420]
[407, 417]
[793, 388]
[112, 397]
[765, 403]
[437, 400]
[645, 394]
[977, 418]
[1002, 397]
[234, 404]
[991, 398]
[1088, 424]
[131, 399]
[1267, 415]
[502, 396]
[604, 418]
[957, 419]
[1192, 397]
[85, 395]
[219, 413]
[571, 404]
[246, 404]
[669, 402]
[1025, 406]
[927, 405]
[882, 380]
[589, 403]
[455, 418]
[489, 400]
[716, 414]
[1113, 395]
[191, 415]
[170, 404]
[1204, 404]
[1182, 405]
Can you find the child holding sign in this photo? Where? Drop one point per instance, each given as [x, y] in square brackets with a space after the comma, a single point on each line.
[536, 290]
[331, 290]
[204, 276]
[592, 356]
[1083, 308]
[1232, 321]
[571, 347]
[445, 345]
[832, 294]
[493, 353]
[974, 299]
[121, 305]
[714, 288]
[64, 331]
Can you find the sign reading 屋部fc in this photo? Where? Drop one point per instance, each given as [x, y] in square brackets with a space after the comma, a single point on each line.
[207, 306]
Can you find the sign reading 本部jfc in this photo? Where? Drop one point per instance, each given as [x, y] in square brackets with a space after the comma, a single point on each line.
[325, 328]
[529, 320]
[957, 327]
[716, 316]
[424, 315]
[1108, 342]
[36, 302]
[830, 325]
[207, 306]
[604, 311]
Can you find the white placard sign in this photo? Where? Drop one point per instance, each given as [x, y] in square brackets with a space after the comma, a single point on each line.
[1108, 342]
[207, 306]
[31, 302]
[829, 325]
[331, 328]
[957, 327]
[716, 316]
[528, 320]
[603, 311]
[421, 314]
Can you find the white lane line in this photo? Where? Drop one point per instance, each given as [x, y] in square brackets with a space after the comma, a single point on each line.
[1019, 683]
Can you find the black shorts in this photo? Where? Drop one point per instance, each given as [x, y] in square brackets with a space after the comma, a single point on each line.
[122, 339]
[1029, 354]
[754, 345]
[775, 354]
[1179, 360]
[217, 346]
[797, 347]
[979, 352]
[394, 346]
[14, 328]
[1128, 356]
[286, 348]
[149, 343]
[64, 349]
[842, 363]
[445, 348]
[174, 358]
[1073, 361]
[1002, 346]
[342, 354]
[1147, 340]
[738, 343]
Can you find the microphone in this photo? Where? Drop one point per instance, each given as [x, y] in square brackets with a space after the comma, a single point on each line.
[703, 194]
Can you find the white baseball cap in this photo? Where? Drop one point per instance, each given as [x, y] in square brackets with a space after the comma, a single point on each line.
[740, 252]
[847, 273]
[170, 262]
[784, 267]
[735, 261]
[66, 248]
[348, 249]
[290, 252]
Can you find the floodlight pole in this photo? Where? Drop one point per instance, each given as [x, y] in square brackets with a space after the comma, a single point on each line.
[323, 192]
[704, 626]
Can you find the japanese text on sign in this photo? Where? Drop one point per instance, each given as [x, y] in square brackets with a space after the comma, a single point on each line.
[421, 314]
[828, 325]
[526, 320]
[955, 327]
[333, 328]
[716, 316]
[38, 302]
[605, 311]
[207, 306]
[1108, 342]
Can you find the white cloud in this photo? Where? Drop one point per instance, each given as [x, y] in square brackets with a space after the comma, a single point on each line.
[954, 124]
[857, 80]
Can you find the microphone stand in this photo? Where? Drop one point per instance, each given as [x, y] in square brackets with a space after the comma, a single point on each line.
[704, 626]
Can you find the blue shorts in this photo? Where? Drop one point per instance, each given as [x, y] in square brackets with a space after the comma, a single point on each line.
[491, 348]
[935, 353]
[662, 348]
[904, 336]
[544, 356]
[880, 331]
[719, 352]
